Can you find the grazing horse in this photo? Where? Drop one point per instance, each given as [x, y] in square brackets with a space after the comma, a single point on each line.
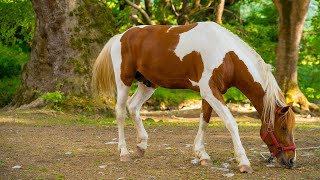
[203, 57]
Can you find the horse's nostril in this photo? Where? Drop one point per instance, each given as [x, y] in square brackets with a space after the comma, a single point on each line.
[291, 162]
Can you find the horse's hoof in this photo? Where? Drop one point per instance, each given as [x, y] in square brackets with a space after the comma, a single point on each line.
[140, 152]
[205, 162]
[125, 158]
[246, 169]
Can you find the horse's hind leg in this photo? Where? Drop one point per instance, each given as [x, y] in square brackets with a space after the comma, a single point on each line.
[122, 97]
[199, 140]
[134, 105]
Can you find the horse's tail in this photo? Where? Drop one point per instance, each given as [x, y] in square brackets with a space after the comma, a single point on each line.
[103, 79]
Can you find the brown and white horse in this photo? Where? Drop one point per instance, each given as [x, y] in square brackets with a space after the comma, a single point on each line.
[203, 57]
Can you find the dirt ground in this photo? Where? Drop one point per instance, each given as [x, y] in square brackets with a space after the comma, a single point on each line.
[46, 150]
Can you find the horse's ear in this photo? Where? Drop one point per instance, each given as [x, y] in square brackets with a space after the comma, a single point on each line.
[283, 110]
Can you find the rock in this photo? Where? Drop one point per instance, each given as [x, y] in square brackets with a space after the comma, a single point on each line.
[228, 175]
[188, 145]
[17, 167]
[102, 166]
[195, 161]
[111, 142]
[220, 169]
[167, 148]
[68, 153]
[226, 165]
[271, 165]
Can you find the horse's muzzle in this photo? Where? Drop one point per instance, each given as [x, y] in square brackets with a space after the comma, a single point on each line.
[288, 163]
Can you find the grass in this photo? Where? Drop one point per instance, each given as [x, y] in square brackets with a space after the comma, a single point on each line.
[172, 98]
[47, 118]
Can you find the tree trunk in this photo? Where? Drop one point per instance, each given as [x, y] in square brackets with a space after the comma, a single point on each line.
[218, 11]
[183, 17]
[68, 37]
[292, 15]
[148, 7]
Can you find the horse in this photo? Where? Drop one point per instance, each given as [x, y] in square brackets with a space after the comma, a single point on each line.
[203, 57]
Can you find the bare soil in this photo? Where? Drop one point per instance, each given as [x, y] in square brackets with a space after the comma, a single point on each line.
[79, 151]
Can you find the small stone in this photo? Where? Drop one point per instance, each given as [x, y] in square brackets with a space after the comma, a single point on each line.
[17, 167]
[220, 169]
[102, 166]
[195, 161]
[271, 165]
[167, 148]
[225, 165]
[111, 142]
[264, 145]
[251, 149]
[68, 153]
[188, 145]
[306, 154]
[228, 175]
[151, 177]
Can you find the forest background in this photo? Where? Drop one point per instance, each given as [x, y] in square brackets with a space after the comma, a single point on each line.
[255, 21]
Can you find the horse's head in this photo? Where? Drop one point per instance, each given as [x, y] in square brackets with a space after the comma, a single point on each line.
[280, 138]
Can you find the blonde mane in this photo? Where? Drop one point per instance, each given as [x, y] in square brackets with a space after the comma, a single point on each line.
[273, 95]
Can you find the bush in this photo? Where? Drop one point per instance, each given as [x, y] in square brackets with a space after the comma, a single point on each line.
[55, 98]
[8, 87]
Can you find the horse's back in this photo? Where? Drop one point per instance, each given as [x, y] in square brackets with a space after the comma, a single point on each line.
[150, 50]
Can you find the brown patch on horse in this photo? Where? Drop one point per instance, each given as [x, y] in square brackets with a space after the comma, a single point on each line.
[206, 110]
[153, 46]
[234, 72]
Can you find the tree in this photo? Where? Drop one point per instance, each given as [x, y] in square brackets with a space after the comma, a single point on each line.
[68, 37]
[292, 15]
[219, 11]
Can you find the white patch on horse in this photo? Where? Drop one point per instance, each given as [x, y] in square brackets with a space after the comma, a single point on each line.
[194, 83]
[199, 140]
[213, 42]
[171, 28]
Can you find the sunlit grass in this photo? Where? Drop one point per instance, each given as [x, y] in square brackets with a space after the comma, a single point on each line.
[44, 118]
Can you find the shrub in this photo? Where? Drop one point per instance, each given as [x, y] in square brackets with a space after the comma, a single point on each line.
[55, 98]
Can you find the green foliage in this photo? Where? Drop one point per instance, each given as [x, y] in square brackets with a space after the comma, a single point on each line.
[234, 95]
[16, 22]
[8, 87]
[122, 20]
[55, 98]
[11, 61]
[309, 60]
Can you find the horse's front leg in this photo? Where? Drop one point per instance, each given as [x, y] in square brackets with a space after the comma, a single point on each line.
[199, 140]
[216, 101]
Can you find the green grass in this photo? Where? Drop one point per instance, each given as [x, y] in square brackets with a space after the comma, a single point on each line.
[45, 118]
[172, 98]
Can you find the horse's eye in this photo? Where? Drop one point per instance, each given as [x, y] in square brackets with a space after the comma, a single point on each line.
[284, 128]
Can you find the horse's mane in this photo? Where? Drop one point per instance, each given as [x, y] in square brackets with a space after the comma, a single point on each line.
[273, 95]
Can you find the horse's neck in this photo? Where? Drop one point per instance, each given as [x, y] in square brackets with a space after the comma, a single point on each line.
[244, 81]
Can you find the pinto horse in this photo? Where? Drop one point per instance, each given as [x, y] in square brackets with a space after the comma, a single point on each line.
[204, 57]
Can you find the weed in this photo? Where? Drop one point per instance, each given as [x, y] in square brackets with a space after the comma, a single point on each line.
[55, 98]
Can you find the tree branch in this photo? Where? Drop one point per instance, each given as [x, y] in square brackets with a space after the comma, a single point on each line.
[174, 9]
[143, 12]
